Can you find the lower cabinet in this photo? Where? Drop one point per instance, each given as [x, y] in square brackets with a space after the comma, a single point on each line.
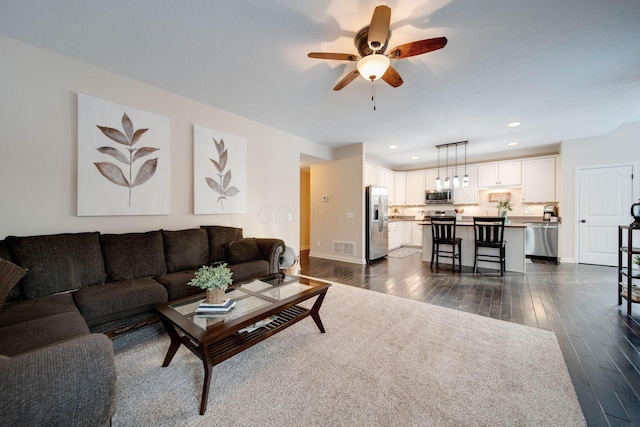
[416, 234]
[395, 235]
[405, 231]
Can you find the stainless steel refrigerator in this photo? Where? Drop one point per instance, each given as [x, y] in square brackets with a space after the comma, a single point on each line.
[377, 222]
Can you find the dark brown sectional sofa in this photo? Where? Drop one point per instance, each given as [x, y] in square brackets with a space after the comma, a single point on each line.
[81, 288]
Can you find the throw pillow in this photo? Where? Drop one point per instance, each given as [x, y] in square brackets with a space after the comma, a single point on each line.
[243, 250]
[10, 275]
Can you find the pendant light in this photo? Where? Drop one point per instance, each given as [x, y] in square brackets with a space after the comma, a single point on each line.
[465, 178]
[456, 180]
[447, 181]
[438, 183]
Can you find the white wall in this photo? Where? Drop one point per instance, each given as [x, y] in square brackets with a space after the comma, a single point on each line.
[341, 217]
[622, 146]
[38, 152]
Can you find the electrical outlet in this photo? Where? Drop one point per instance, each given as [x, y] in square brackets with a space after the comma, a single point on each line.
[289, 217]
[318, 243]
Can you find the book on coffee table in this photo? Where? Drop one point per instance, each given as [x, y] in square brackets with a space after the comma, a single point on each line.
[216, 308]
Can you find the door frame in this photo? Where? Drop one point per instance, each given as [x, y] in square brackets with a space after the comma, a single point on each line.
[635, 195]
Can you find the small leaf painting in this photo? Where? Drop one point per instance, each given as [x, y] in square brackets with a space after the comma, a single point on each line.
[219, 172]
[221, 185]
[128, 138]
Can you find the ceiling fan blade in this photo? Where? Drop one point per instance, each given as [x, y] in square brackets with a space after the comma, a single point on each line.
[336, 56]
[417, 48]
[379, 27]
[347, 79]
[392, 77]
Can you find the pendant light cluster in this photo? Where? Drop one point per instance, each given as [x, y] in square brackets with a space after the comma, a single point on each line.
[448, 183]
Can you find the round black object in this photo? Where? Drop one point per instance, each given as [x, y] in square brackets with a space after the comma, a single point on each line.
[635, 212]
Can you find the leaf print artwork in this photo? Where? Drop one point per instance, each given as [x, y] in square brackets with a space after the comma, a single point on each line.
[221, 186]
[129, 138]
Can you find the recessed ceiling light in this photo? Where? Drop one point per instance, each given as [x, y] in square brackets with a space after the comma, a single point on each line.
[415, 158]
[393, 146]
[512, 143]
[513, 124]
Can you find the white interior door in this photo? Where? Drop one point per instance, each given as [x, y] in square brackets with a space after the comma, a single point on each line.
[605, 199]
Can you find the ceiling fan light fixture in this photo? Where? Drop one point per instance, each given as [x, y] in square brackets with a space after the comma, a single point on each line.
[372, 67]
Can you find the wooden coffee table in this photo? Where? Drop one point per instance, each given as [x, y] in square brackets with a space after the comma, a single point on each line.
[216, 338]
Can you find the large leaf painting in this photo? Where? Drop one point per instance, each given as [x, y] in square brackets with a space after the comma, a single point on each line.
[130, 162]
[219, 172]
[112, 171]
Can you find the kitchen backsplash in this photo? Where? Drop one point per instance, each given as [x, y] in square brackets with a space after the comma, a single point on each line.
[483, 207]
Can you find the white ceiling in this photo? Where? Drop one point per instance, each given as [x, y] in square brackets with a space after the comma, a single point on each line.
[565, 69]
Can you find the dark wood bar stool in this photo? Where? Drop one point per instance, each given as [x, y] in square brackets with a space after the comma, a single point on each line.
[489, 233]
[443, 230]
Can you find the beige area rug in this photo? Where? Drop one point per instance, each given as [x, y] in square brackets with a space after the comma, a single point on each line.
[383, 361]
[403, 252]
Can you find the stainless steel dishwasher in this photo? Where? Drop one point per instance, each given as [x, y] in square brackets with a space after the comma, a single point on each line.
[541, 240]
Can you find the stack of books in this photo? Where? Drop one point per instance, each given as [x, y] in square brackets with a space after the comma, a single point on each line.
[213, 309]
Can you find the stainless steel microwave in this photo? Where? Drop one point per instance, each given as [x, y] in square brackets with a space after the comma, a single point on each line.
[438, 196]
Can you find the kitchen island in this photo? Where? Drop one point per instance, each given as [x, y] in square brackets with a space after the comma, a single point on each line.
[514, 235]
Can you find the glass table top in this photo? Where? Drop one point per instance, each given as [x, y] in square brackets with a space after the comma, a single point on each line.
[249, 297]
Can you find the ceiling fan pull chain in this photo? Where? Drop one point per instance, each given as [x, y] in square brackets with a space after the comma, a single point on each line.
[373, 95]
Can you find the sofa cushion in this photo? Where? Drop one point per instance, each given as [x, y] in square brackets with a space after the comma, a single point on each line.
[15, 294]
[30, 309]
[133, 255]
[249, 270]
[111, 301]
[243, 250]
[176, 284]
[219, 238]
[35, 333]
[185, 249]
[58, 262]
[10, 275]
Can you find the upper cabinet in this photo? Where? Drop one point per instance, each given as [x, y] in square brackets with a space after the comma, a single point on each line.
[539, 180]
[400, 189]
[374, 175]
[430, 179]
[415, 188]
[501, 174]
[469, 195]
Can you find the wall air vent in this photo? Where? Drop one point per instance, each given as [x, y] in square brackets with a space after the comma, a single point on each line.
[345, 248]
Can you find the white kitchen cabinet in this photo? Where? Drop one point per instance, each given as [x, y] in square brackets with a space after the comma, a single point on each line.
[416, 234]
[395, 235]
[405, 232]
[400, 188]
[469, 195]
[539, 180]
[386, 179]
[415, 188]
[501, 174]
[430, 179]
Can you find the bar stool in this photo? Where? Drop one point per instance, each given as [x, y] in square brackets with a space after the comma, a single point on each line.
[443, 230]
[489, 233]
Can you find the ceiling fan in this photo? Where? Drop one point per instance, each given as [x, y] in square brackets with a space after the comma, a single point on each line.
[371, 43]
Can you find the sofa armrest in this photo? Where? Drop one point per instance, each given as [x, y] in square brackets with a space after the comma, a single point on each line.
[71, 383]
[271, 249]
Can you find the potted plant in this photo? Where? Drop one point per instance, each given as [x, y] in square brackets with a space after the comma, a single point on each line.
[636, 262]
[214, 280]
[503, 207]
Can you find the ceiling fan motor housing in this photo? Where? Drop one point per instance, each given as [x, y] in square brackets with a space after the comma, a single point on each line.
[363, 46]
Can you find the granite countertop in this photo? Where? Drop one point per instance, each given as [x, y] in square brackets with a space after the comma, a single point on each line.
[468, 220]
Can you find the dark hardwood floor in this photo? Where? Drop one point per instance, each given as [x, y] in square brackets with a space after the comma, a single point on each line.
[578, 302]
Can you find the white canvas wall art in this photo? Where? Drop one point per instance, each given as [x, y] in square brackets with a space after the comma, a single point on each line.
[123, 160]
[220, 172]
